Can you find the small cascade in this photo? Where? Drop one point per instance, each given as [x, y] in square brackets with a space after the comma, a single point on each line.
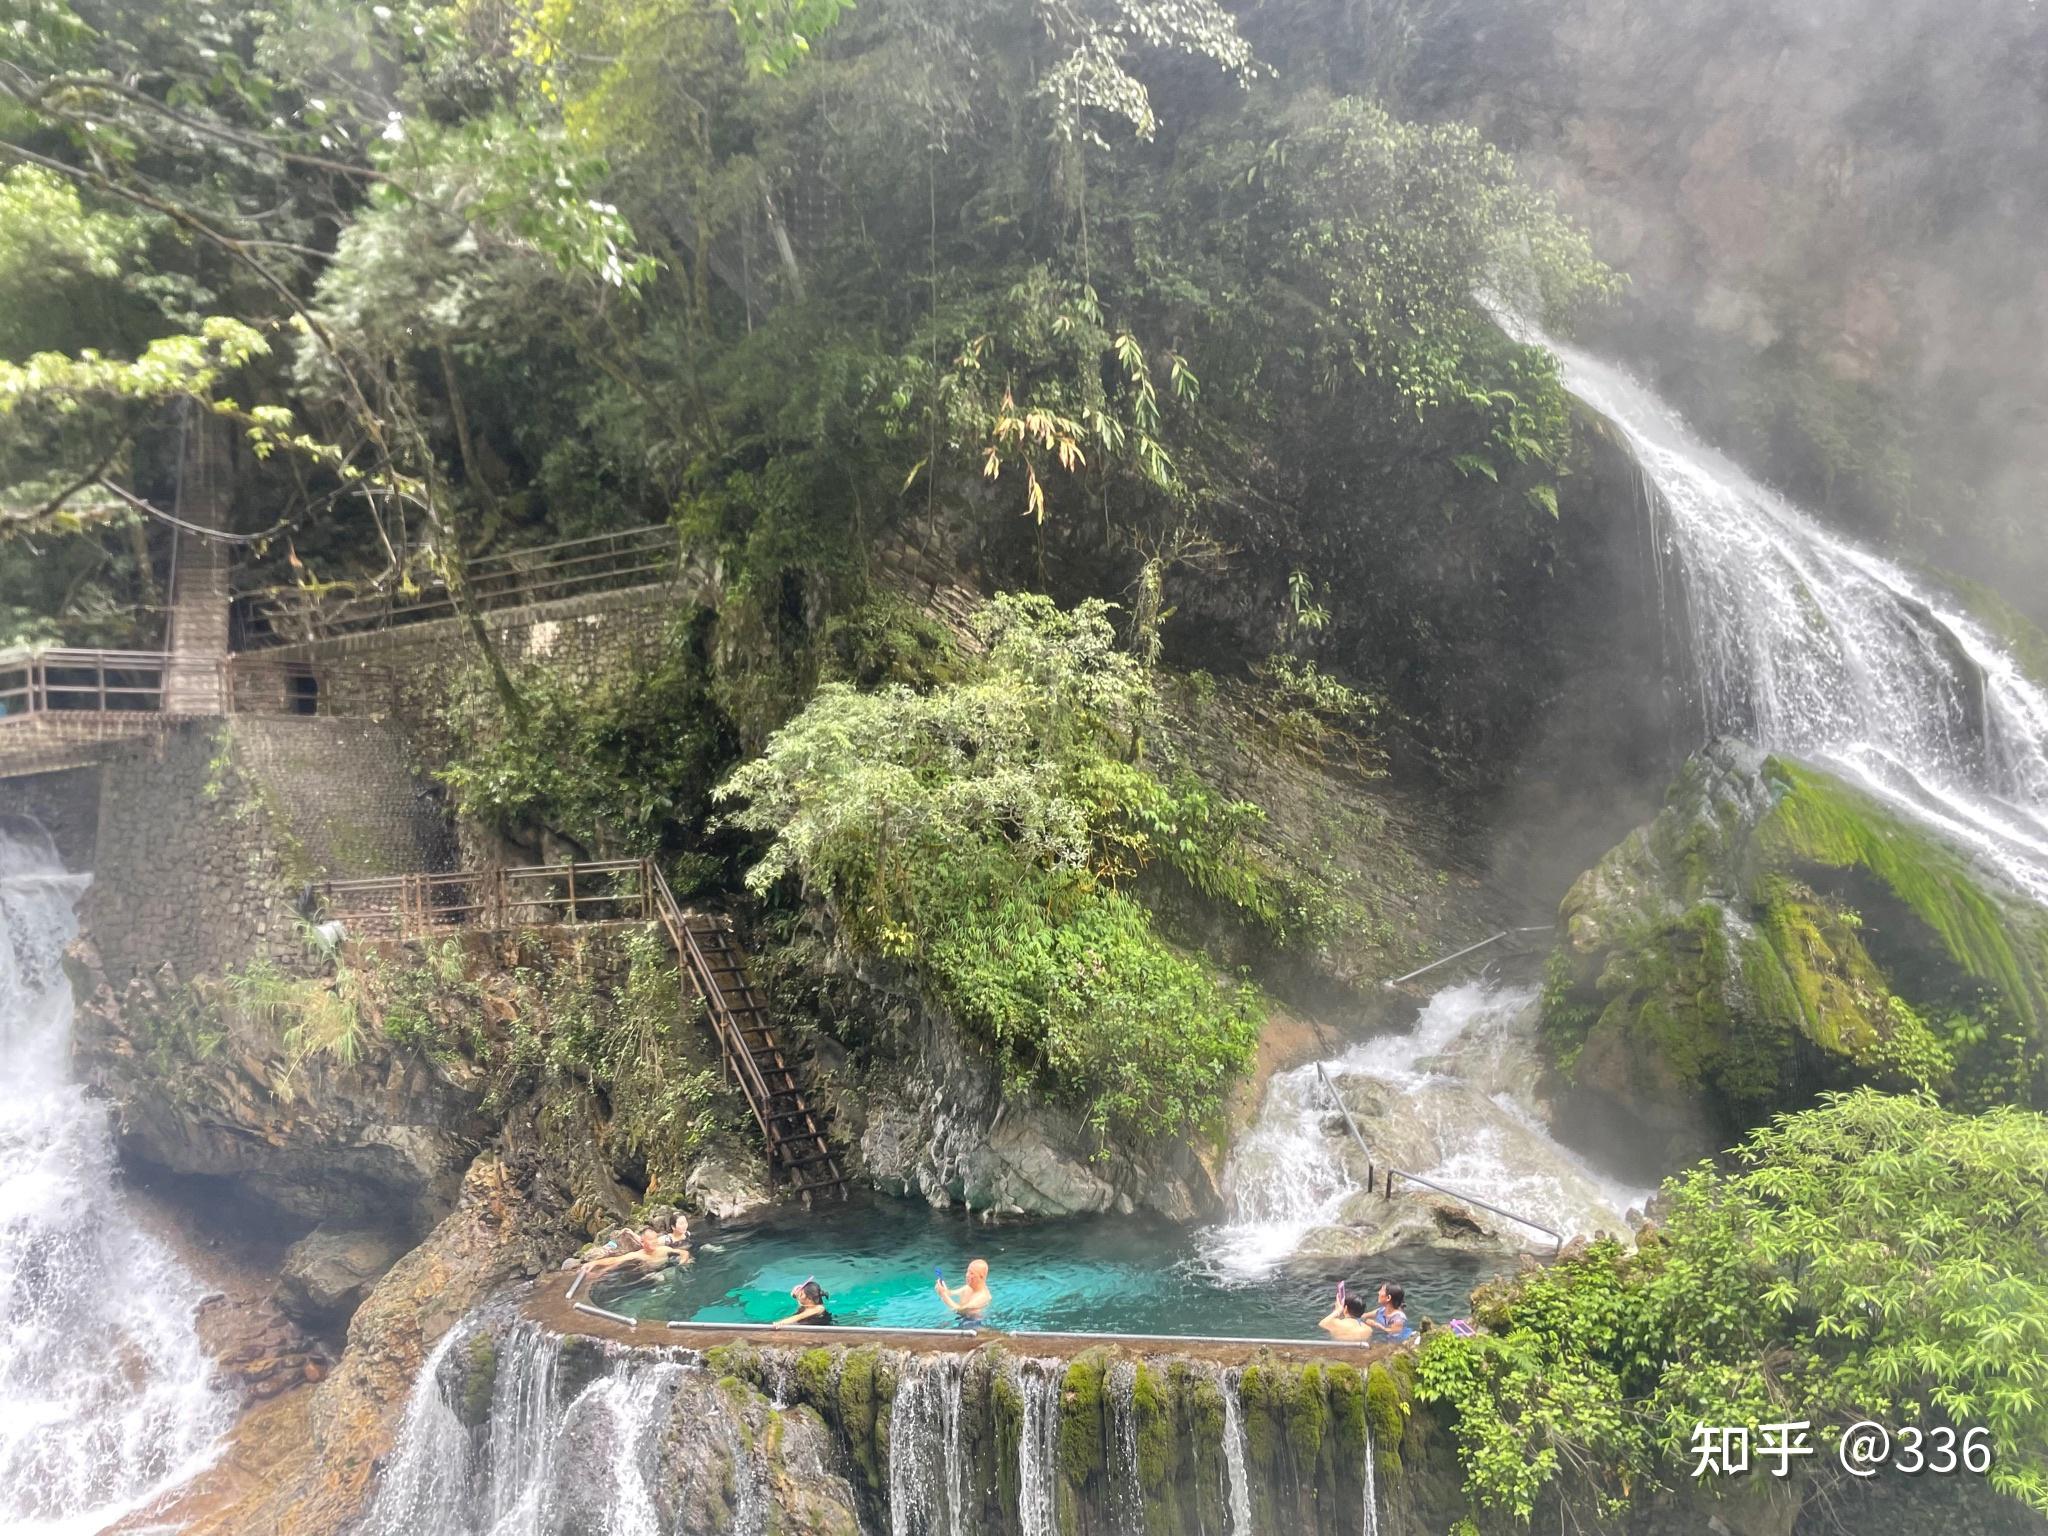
[503, 1436]
[1038, 1443]
[927, 1472]
[1127, 1488]
[105, 1395]
[1372, 1492]
[1237, 1488]
[1448, 1099]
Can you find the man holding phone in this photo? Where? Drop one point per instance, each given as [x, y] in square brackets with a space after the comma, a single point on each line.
[970, 1300]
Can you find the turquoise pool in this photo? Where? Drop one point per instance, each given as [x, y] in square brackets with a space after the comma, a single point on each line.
[1093, 1274]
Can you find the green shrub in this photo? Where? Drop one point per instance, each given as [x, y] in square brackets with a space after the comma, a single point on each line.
[980, 832]
[1876, 1257]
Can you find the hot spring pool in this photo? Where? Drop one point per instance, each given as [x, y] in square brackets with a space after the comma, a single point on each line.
[875, 1259]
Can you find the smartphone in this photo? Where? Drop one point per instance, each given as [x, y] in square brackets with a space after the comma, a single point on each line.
[1340, 1293]
[938, 1274]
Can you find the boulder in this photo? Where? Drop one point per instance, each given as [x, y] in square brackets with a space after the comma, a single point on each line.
[328, 1272]
[1373, 1225]
[729, 1182]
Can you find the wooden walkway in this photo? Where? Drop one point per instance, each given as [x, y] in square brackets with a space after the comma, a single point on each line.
[709, 964]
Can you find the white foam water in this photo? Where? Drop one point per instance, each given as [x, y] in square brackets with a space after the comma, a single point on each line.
[106, 1398]
[927, 1468]
[551, 1455]
[1804, 643]
[1448, 1099]
[1038, 1445]
[1237, 1490]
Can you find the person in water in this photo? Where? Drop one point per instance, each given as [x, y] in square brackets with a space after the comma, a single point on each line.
[1387, 1317]
[1347, 1319]
[646, 1251]
[810, 1307]
[971, 1300]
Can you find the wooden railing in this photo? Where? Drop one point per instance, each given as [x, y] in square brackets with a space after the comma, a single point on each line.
[708, 966]
[67, 684]
[101, 682]
[632, 557]
[525, 896]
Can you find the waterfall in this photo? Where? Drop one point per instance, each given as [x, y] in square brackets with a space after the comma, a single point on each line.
[1804, 643]
[1372, 1493]
[1448, 1098]
[927, 1473]
[1038, 1443]
[1127, 1487]
[105, 1395]
[553, 1448]
[1237, 1482]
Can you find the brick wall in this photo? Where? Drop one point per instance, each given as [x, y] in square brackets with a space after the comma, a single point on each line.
[405, 674]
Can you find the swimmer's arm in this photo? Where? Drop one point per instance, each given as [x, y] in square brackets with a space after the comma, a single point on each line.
[801, 1314]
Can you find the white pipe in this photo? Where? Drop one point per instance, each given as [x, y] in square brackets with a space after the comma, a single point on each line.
[1459, 954]
[617, 1317]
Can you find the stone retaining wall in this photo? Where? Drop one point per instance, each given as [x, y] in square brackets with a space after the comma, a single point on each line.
[209, 834]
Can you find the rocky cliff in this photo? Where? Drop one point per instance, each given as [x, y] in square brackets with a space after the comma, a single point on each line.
[1773, 932]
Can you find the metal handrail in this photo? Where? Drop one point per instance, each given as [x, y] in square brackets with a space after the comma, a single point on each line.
[592, 562]
[1391, 1173]
[1350, 1124]
[1465, 1199]
[1459, 954]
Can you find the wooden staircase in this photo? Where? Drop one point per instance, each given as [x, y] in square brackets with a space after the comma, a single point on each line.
[711, 962]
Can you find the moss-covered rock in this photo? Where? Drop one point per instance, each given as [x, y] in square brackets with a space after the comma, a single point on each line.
[1775, 931]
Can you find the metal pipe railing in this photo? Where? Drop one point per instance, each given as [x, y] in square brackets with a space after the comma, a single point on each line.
[1464, 1199]
[1350, 1124]
[544, 573]
[1387, 1182]
[1459, 954]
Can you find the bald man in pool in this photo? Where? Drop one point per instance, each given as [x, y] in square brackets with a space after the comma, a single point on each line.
[970, 1300]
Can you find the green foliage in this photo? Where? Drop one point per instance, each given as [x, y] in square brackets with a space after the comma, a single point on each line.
[979, 832]
[1843, 1269]
[619, 766]
[57, 259]
[604, 1018]
[1729, 951]
[314, 1016]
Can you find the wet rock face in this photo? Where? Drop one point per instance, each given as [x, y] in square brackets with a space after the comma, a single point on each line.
[728, 1461]
[381, 1141]
[729, 1182]
[937, 1122]
[1771, 933]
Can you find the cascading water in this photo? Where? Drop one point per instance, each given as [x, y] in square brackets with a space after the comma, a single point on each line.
[1802, 643]
[1038, 1443]
[927, 1469]
[555, 1451]
[1237, 1488]
[1127, 1488]
[1372, 1493]
[1447, 1099]
[105, 1395]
